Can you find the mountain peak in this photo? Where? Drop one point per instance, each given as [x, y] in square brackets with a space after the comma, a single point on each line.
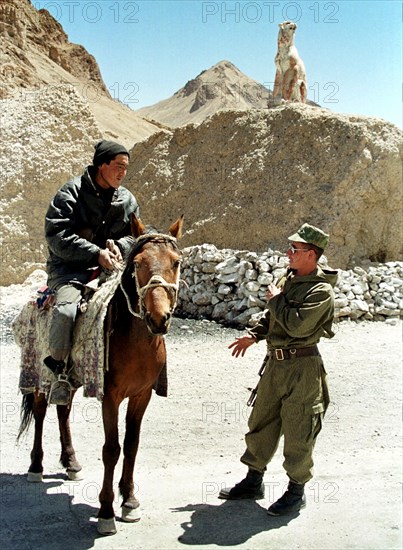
[217, 73]
[223, 66]
[222, 86]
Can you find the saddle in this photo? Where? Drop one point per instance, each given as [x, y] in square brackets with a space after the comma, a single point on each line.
[86, 362]
[88, 359]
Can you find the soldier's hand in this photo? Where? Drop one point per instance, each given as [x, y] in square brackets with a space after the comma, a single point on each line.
[241, 344]
[272, 291]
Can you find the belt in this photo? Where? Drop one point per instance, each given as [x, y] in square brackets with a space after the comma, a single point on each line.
[281, 354]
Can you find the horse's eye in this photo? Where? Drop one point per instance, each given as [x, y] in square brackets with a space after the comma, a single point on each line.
[176, 264]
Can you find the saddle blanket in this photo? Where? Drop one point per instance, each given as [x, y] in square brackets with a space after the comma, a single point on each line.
[86, 363]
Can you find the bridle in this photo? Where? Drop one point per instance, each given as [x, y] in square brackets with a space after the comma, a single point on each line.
[155, 280]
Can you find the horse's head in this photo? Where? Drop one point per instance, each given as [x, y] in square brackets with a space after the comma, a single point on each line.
[155, 268]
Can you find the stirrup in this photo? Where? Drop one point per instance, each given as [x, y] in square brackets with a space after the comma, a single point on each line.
[60, 391]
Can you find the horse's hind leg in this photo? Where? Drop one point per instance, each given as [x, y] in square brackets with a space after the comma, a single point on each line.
[135, 412]
[68, 457]
[39, 406]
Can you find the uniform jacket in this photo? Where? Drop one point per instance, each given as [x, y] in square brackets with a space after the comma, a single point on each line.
[79, 220]
[302, 313]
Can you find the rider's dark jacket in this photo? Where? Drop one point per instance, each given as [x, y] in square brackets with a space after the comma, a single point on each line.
[79, 220]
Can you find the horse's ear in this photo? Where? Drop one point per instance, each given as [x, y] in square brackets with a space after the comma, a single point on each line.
[136, 226]
[176, 228]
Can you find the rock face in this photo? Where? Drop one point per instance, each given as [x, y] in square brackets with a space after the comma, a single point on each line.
[36, 55]
[31, 36]
[247, 180]
[45, 140]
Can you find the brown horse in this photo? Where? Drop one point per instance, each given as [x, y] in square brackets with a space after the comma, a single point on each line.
[142, 309]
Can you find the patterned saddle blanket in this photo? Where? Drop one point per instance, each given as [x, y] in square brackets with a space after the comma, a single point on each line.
[88, 357]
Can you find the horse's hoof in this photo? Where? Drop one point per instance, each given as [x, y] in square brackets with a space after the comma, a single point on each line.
[106, 526]
[130, 515]
[74, 476]
[33, 477]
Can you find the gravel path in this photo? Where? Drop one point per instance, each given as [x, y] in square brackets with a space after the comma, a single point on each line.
[190, 448]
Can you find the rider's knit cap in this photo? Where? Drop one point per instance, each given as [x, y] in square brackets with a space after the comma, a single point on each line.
[105, 151]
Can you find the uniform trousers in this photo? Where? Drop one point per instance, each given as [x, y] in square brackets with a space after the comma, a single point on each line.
[291, 400]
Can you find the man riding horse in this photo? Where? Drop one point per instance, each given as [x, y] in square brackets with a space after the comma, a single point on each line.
[87, 226]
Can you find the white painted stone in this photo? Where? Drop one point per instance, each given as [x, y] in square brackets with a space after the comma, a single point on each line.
[227, 278]
[251, 274]
[265, 279]
[262, 266]
[341, 301]
[252, 286]
[360, 305]
[224, 289]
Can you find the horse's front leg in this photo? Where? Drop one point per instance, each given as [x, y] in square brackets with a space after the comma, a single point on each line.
[68, 457]
[135, 412]
[39, 406]
[110, 456]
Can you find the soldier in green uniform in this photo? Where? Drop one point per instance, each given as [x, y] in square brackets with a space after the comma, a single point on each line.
[292, 395]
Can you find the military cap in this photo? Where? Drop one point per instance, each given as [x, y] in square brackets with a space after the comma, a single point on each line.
[310, 235]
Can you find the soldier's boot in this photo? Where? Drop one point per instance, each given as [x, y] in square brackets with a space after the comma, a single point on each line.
[291, 501]
[60, 390]
[251, 487]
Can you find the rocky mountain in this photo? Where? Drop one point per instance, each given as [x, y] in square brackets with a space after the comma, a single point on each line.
[222, 87]
[36, 48]
[37, 55]
[244, 175]
[246, 180]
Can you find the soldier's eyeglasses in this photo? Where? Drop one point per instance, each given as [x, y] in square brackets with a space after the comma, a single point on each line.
[293, 250]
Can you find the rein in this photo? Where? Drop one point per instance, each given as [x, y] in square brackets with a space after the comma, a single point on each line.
[155, 280]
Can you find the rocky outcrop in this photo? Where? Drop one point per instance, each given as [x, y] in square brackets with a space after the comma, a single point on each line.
[36, 55]
[45, 140]
[249, 179]
[26, 34]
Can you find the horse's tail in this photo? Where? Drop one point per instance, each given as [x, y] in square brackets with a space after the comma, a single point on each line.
[27, 413]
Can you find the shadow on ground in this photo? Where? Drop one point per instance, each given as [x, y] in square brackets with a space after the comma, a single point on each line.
[43, 515]
[229, 524]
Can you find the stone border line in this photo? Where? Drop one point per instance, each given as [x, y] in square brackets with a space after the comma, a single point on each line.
[229, 286]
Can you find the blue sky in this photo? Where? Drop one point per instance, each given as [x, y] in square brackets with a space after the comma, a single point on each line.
[148, 49]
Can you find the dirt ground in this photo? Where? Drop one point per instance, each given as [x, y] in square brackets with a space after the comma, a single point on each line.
[190, 448]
